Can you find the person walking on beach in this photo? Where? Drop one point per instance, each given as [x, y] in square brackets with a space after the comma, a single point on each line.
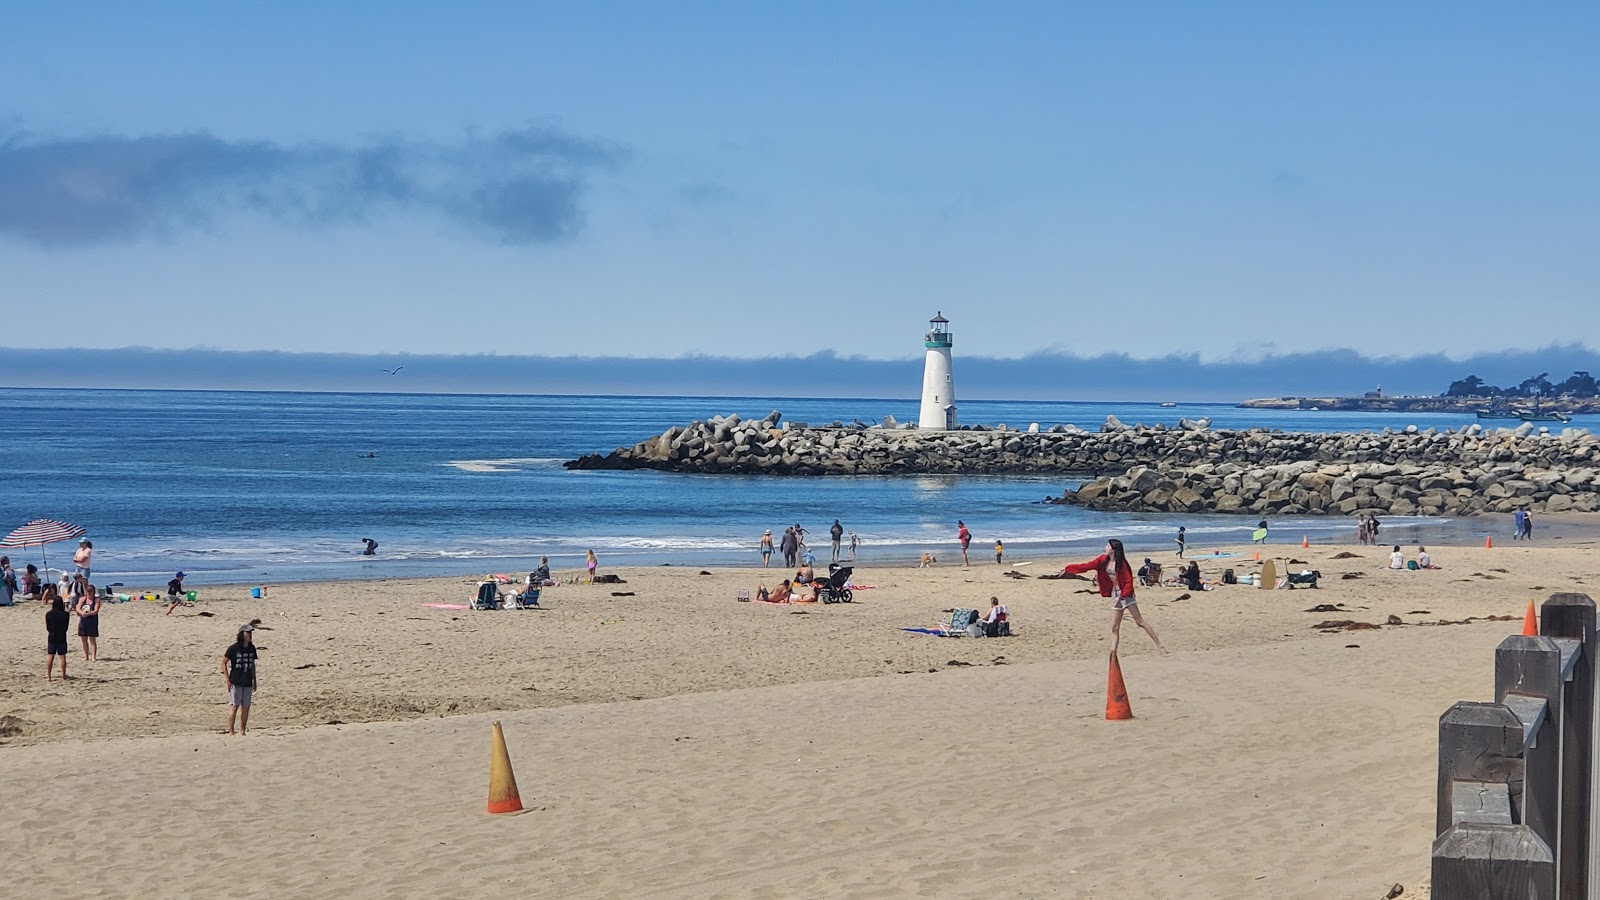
[999, 553]
[56, 620]
[1114, 577]
[1516, 524]
[239, 671]
[1261, 531]
[174, 593]
[965, 537]
[766, 549]
[593, 562]
[836, 532]
[81, 559]
[791, 548]
[89, 622]
[1527, 526]
[1180, 540]
[855, 541]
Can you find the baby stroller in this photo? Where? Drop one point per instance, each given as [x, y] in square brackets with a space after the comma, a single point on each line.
[834, 590]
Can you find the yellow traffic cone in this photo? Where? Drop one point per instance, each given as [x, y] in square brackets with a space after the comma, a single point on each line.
[503, 796]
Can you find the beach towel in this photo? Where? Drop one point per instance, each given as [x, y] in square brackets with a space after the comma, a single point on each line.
[933, 631]
[446, 605]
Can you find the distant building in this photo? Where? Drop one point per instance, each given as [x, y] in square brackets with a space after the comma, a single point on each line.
[1374, 395]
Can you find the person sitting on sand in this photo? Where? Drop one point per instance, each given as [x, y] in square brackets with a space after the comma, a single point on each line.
[1397, 560]
[762, 595]
[1424, 561]
[541, 574]
[805, 574]
[997, 621]
[30, 582]
[1192, 579]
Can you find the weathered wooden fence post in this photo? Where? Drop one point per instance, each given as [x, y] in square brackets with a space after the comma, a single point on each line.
[1572, 617]
[1527, 674]
[1483, 850]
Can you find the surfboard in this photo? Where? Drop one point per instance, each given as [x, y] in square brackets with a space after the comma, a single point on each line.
[1269, 575]
[1260, 534]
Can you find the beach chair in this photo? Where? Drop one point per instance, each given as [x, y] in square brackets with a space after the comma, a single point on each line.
[960, 620]
[528, 599]
[834, 590]
[488, 596]
[742, 595]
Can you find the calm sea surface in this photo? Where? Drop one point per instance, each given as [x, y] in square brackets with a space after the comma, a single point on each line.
[273, 487]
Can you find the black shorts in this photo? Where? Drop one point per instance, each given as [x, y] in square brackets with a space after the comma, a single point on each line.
[89, 626]
[55, 649]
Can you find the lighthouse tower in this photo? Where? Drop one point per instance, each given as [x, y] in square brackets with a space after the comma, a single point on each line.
[938, 388]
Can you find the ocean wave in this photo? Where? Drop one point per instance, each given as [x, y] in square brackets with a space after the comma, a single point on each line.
[509, 464]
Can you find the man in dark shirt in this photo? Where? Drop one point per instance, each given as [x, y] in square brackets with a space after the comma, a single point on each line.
[239, 670]
[55, 626]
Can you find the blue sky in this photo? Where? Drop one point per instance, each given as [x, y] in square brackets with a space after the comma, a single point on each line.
[658, 179]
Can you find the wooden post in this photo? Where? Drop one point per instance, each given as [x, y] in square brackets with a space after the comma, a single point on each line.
[1478, 742]
[1492, 862]
[1529, 668]
[1573, 616]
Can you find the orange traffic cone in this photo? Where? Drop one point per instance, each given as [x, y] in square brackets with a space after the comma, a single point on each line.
[1305, 541]
[1116, 693]
[1530, 622]
[1258, 556]
[1488, 542]
[503, 796]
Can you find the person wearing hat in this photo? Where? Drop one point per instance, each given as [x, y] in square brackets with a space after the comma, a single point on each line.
[766, 549]
[239, 670]
[82, 557]
[174, 593]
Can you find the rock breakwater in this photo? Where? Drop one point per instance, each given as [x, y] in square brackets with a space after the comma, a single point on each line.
[1190, 468]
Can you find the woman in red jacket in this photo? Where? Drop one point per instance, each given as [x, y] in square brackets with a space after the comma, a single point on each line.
[1115, 579]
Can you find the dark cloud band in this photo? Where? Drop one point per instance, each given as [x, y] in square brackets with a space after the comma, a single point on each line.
[516, 187]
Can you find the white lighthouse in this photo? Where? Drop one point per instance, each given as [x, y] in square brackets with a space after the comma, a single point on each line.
[938, 387]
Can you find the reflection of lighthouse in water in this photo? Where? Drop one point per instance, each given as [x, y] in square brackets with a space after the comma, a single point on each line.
[938, 387]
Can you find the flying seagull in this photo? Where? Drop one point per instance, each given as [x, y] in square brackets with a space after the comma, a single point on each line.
[394, 371]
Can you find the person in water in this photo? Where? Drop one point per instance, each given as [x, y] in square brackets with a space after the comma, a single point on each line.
[372, 546]
[1114, 577]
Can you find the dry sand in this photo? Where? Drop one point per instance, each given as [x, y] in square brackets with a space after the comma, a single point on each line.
[677, 743]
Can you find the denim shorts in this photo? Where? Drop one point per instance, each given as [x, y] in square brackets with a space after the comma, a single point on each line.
[240, 696]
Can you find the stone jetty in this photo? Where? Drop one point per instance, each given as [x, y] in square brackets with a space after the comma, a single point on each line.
[1190, 468]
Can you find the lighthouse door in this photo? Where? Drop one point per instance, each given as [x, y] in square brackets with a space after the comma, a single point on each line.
[950, 418]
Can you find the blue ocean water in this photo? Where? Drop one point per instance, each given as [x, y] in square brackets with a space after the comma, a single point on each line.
[273, 487]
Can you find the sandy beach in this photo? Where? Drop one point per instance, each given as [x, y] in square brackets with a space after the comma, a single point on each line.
[674, 742]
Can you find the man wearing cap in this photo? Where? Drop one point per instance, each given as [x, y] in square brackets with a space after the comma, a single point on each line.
[239, 670]
[81, 559]
[174, 593]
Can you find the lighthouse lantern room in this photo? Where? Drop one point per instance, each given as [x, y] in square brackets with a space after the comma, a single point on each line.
[938, 411]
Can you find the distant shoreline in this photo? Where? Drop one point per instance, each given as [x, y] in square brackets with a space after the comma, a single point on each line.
[1467, 405]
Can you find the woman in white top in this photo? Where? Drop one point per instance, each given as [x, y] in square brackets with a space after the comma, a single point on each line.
[1397, 559]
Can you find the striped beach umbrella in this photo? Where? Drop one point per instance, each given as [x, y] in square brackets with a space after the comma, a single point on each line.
[40, 532]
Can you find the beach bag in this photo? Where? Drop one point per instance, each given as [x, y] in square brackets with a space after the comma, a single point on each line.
[1412, 565]
[1228, 577]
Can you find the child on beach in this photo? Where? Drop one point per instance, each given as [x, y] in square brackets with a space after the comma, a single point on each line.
[239, 671]
[1114, 577]
[593, 564]
[175, 595]
[55, 628]
[999, 553]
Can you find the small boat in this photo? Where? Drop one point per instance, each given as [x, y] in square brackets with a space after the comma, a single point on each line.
[1511, 416]
[1544, 417]
[1168, 405]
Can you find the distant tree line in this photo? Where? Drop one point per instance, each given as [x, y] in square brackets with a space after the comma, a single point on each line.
[1581, 384]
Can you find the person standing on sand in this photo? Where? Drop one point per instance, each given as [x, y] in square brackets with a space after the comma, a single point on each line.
[1114, 577]
[836, 532]
[56, 621]
[239, 671]
[1180, 540]
[81, 559]
[790, 546]
[999, 553]
[766, 549]
[965, 537]
[89, 623]
[593, 562]
[8, 582]
[1516, 524]
[855, 541]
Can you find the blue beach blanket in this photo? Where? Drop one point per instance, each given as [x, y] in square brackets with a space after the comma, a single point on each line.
[933, 631]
